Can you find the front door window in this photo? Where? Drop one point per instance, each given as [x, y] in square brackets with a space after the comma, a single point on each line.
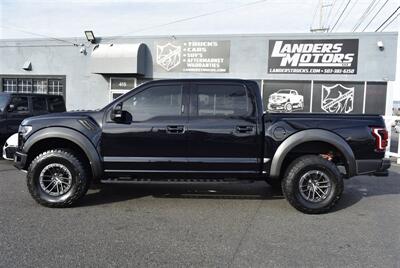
[19, 105]
[155, 102]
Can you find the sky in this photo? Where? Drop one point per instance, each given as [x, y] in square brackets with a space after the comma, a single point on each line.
[61, 18]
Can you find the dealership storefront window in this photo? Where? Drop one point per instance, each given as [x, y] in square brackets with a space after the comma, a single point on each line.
[33, 84]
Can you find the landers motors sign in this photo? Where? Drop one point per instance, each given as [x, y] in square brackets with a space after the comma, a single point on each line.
[326, 56]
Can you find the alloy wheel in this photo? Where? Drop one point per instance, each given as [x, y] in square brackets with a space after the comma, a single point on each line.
[55, 179]
[315, 186]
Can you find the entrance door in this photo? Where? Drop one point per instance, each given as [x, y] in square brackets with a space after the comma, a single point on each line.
[116, 93]
[154, 141]
[222, 130]
[121, 85]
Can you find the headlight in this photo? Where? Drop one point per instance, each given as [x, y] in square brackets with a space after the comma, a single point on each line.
[24, 130]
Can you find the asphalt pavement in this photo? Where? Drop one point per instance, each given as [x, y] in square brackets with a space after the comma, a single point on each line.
[200, 225]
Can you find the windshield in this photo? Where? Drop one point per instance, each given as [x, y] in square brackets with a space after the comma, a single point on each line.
[3, 102]
[284, 91]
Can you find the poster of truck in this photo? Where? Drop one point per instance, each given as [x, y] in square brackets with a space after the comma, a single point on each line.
[285, 100]
[283, 96]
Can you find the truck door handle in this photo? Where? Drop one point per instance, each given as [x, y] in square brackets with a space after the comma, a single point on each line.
[179, 129]
[244, 129]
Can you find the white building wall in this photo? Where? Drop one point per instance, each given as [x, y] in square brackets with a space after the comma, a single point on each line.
[393, 91]
[248, 59]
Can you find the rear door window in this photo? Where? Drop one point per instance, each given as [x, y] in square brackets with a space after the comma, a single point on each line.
[56, 104]
[223, 100]
[39, 104]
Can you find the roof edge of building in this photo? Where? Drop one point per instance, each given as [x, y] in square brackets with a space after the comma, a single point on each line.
[65, 40]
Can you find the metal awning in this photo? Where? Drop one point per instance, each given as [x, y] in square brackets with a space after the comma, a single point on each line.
[118, 59]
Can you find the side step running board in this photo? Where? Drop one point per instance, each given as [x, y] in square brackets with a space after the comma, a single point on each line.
[136, 180]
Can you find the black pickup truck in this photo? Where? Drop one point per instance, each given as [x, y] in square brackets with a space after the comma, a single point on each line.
[199, 129]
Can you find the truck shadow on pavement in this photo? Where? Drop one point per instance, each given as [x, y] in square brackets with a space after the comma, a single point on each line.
[122, 192]
[355, 189]
[361, 187]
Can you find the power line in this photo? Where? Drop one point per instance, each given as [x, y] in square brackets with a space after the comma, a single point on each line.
[376, 14]
[37, 34]
[390, 22]
[347, 14]
[189, 18]
[391, 15]
[370, 7]
[341, 14]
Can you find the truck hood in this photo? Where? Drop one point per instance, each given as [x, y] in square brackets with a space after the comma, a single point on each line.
[278, 98]
[52, 117]
[88, 123]
[65, 119]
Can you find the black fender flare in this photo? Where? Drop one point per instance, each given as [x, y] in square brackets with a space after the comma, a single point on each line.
[308, 136]
[71, 135]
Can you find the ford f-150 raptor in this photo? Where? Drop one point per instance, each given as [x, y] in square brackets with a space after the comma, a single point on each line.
[199, 129]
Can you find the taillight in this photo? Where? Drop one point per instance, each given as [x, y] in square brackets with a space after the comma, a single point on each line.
[381, 138]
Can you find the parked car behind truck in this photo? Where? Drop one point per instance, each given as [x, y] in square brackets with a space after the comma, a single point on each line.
[10, 146]
[15, 107]
[199, 129]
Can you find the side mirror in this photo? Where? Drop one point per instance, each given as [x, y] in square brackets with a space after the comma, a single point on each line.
[116, 113]
[120, 116]
[11, 108]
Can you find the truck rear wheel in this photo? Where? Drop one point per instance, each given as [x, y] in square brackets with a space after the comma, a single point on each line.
[312, 184]
[57, 178]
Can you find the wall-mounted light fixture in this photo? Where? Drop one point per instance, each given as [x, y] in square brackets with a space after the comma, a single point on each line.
[90, 37]
[27, 66]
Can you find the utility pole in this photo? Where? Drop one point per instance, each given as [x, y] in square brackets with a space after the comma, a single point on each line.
[322, 7]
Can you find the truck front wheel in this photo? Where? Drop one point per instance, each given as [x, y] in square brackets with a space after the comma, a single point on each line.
[312, 184]
[57, 178]
[288, 107]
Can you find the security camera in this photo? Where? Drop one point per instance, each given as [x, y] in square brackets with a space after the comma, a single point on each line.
[83, 50]
[380, 45]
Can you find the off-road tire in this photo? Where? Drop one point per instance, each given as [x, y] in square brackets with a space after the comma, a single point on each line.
[80, 180]
[290, 184]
